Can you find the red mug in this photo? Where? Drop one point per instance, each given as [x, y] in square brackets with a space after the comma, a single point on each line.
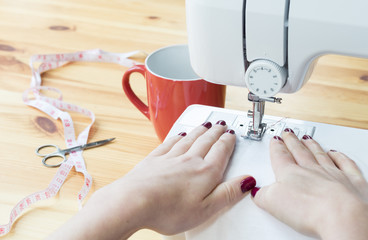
[172, 86]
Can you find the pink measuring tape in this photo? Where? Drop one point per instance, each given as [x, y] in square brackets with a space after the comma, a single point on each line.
[58, 109]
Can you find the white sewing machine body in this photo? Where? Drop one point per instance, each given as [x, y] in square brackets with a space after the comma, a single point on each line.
[271, 46]
[268, 46]
[226, 36]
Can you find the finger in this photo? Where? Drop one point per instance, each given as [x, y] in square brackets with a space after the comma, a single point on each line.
[344, 163]
[228, 193]
[204, 142]
[319, 154]
[301, 153]
[220, 152]
[166, 146]
[184, 145]
[280, 156]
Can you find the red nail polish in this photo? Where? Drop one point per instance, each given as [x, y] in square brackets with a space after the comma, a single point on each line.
[333, 150]
[230, 131]
[306, 137]
[183, 134]
[288, 130]
[278, 138]
[247, 184]
[207, 125]
[221, 122]
[254, 191]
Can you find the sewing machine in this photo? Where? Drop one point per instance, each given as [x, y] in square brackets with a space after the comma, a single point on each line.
[269, 47]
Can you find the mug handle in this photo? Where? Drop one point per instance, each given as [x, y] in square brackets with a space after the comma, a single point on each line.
[129, 92]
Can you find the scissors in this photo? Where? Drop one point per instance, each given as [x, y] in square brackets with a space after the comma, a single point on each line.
[60, 153]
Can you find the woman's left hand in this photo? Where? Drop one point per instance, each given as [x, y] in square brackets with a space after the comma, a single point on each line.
[181, 182]
[175, 188]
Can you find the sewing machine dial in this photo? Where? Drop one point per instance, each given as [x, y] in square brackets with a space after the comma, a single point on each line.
[265, 78]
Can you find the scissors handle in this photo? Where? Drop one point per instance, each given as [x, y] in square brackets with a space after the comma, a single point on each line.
[53, 155]
[57, 149]
[57, 154]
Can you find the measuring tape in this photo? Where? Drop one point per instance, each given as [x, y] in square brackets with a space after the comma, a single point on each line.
[58, 109]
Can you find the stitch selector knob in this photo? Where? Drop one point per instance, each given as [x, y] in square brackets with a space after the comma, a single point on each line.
[265, 78]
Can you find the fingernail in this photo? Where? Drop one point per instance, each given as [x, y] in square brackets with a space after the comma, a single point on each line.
[247, 184]
[278, 138]
[230, 131]
[333, 150]
[207, 125]
[288, 130]
[183, 134]
[254, 191]
[221, 122]
[306, 137]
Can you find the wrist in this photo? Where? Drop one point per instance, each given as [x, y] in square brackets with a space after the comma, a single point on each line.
[113, 212]
[350, 221]
[121, 211]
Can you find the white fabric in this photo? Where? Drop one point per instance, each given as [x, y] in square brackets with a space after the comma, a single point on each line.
[245, 220]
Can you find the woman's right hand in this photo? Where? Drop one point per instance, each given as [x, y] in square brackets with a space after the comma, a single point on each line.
[317, 193]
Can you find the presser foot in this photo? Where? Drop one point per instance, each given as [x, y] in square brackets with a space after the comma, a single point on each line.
[256, 128]
[253, 134]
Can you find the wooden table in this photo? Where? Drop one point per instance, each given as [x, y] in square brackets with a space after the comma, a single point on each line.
[337, 93]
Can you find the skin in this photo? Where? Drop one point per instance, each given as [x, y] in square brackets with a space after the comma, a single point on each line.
[180, 185]
[175, 188]
[329, 186]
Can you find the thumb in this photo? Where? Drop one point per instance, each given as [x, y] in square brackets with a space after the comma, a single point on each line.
[262, 197]
[229, 193]
[258, 195]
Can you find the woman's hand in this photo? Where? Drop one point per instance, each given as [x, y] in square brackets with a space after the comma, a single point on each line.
[176, 187]
[182, 180]
[317, 193]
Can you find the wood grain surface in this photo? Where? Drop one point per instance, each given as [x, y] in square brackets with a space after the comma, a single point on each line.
[337, 93]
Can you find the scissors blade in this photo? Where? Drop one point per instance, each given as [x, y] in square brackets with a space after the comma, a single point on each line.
[98, 143]
[88, 145]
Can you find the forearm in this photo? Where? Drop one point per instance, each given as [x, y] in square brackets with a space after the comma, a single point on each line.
[106, 215]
